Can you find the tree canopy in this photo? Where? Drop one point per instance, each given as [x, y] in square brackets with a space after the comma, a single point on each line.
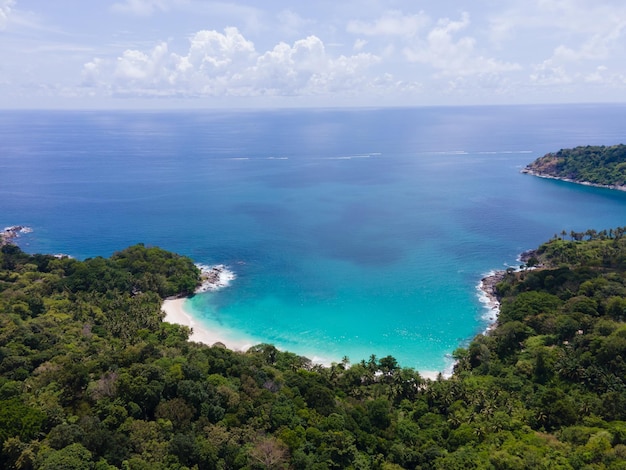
[599, 165]
[91, 377]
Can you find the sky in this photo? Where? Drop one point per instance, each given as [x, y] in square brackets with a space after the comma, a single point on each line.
[329, 53]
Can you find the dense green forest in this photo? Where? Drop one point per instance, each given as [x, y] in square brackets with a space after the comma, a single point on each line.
[92, 378]
[599, 165]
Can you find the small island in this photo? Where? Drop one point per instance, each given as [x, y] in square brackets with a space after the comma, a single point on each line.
[602, 166]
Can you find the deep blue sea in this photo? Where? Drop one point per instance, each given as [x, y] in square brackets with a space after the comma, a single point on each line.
[351, 232]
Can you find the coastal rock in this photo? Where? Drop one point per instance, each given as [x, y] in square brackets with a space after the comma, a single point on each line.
[9, 234]
[214, 277]
[530, 259]
[488, 286]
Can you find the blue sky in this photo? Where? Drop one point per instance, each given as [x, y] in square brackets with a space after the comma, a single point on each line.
[273, 53]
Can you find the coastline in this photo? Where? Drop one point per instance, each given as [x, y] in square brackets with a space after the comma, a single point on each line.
[489, 296]
[174, 309]
[528, 171]
[212, 278]
[488, 284]
[175, 312]
[9, 234]
[218, 276]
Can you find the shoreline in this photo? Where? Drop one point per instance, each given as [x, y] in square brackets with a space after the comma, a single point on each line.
[212, 278]
[487, 286]
[219, 276]
[175, 312]
[9, 234]
[528, 171]
[489, 297]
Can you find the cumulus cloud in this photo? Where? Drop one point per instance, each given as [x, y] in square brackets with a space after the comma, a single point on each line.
[214, 50]
[453, 56]
[549, 74]
[568, 42]
[597, 76]
[135, 66]
[563, 67]
[306, 68]
[227, 64]
[604, 77]
[5, 11]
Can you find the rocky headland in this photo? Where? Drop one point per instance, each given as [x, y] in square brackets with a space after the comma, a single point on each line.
[488, 284]
[9, 234]
[598, 166]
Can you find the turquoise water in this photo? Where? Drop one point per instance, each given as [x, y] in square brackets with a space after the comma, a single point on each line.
[351, 232]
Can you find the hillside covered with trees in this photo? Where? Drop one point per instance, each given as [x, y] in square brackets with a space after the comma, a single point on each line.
[597, 165]
[92, 378]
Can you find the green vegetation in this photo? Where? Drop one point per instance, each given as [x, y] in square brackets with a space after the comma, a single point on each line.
[91, 378]
[598, 165]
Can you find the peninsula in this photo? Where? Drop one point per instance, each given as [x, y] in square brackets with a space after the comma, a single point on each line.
[602, 166]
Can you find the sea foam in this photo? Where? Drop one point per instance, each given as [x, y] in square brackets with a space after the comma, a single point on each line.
[214, 277]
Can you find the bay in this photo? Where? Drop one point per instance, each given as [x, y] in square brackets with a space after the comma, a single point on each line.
[352, 232]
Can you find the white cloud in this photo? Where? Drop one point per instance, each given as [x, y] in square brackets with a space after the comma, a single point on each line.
[135, 66]
[227, 64]
[5, 12]
[359, 44]
[452, 56]
[597, 76]
[365, 51]
[144, 7]
[602, 76]
[90, 74]
[392, 23]
[567, 64]
[291, 23]
[596, 47]
[306, 68]
[214, 50]
[566, 43]
[549, 74]
[570, 20]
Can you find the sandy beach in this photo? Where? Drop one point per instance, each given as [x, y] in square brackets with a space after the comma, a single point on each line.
[219, 276]
[212, 278]
[174, 310]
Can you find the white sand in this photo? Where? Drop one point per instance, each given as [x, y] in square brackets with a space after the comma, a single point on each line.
[175, 313]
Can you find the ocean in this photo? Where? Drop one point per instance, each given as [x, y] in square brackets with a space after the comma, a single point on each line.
[351, 232]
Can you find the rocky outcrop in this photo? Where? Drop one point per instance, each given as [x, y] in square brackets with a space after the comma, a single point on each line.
[9, 234]
[214, 277]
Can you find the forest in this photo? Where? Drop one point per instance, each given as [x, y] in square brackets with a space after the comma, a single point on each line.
[598, 165]
[92, 378]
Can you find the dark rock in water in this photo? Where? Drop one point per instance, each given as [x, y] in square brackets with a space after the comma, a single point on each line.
[527, 255]
[9, 234]
[214, 277]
